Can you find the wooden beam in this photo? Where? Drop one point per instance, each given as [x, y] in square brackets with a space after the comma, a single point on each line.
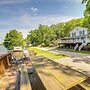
[24, 79]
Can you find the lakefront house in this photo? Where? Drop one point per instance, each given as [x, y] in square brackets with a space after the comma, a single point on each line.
[79, 37]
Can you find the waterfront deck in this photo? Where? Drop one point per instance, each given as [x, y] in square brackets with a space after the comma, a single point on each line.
[71, 41]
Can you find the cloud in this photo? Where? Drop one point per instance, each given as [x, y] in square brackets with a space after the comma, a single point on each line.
[34, 10]
[13, 1]
[47, 20]
[27, 20]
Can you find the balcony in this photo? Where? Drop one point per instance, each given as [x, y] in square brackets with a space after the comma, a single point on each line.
[63, 41]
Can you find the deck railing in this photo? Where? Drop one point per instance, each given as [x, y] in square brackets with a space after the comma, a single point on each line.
[70, 41]
[4, 62]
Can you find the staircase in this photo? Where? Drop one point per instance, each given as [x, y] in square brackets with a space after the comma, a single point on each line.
[76, 47]
[81, 46]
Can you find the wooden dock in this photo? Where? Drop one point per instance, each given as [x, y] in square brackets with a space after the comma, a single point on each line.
[58, 77]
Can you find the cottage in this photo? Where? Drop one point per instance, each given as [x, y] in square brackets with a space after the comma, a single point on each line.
[79, 37]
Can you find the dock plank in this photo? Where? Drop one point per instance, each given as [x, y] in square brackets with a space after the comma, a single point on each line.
[24, 82]
[86, 84]
[49, 81]
[65, 77]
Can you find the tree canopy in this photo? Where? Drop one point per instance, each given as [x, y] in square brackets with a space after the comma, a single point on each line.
[87, 13]
[13, 38]
[87, 10]
[43, 35]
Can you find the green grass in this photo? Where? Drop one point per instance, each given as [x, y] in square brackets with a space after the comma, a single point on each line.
[47, 54]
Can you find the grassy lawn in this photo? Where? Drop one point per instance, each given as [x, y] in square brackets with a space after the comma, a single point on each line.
[70, 50]
[47, 54]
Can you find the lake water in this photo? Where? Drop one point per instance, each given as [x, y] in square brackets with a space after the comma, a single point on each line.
[3, 49]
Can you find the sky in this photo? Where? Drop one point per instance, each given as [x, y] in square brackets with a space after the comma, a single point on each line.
[25, 15]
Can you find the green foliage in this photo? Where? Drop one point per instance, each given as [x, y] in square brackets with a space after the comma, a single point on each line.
[13, 38]
[87, 10]
[43, 35]
[87, 13]
[58, 30]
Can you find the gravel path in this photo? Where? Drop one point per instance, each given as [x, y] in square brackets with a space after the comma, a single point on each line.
[71, 54]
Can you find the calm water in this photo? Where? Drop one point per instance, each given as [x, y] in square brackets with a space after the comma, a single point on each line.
[3, 50]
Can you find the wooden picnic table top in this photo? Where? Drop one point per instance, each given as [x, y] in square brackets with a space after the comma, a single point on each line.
[55, 76]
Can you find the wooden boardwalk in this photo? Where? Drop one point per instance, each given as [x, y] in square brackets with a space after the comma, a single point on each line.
[58, 77]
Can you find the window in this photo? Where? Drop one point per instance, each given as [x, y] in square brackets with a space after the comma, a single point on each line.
[74, 34]
[80, 33]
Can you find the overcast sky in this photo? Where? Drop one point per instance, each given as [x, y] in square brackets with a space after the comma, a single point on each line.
[25, 15]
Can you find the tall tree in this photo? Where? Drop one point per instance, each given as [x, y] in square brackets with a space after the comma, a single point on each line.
[43, 35]
[13, 38]
[59, 30]
[87, 10]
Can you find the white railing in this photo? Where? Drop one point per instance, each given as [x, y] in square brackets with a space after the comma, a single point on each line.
[70, 41]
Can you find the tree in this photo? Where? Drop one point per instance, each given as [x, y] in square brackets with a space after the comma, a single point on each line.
[87, 13]
[43, 35]
[87, 10]
[13, 38]
[58, 30]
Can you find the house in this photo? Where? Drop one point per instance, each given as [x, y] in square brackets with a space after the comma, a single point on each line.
[79, 37]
